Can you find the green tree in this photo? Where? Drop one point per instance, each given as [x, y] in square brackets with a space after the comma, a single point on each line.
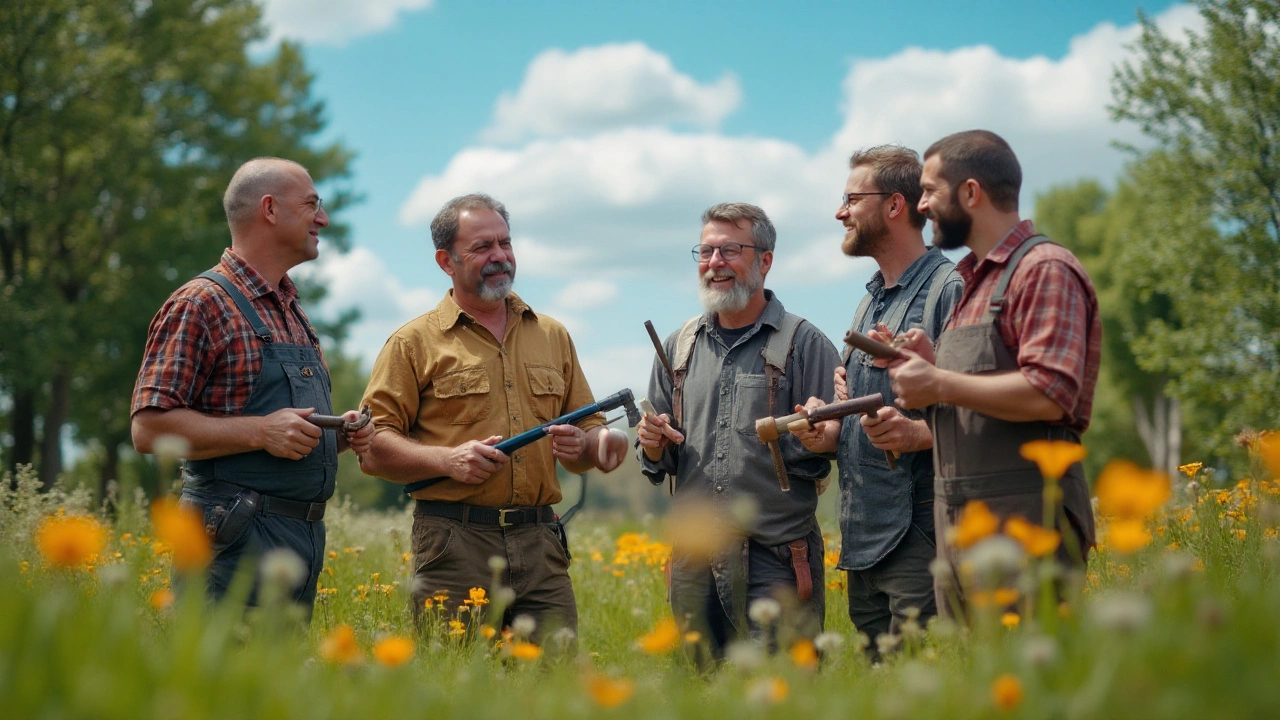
[1211, 194]
[120, 123]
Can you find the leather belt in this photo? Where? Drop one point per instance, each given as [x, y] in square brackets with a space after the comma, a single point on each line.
[309, 511]
[502, 517]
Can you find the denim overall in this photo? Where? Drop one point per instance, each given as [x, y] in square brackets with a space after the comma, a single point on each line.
[292, 376]
[976, 457]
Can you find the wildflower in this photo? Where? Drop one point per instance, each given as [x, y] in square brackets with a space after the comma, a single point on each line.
[804, 654]
[1122, 612]
[1190, 469]
[1239, 533]
[70, 541]
[886, 643]
[1036, 540]
[993, 558]
[333, 555]
[1040, 651]
[608, 692]
[1010, 620]
[1127, 536]
[487, 632]
[744, 654]
[1269, 449]
[525, 651]
[523, 625]
[1006, 692]
[1054, 457]
[282, 569]
[457, 627]
[764, 611]
[477, 597]
[692, 637]
[497, 563]
[340, 647]
[976, 522]
[828, 642]
[181, 529]
[171, 447]
[161, 599]
[1127, 491]
[664, 637]
[769, 690]
[393, 651]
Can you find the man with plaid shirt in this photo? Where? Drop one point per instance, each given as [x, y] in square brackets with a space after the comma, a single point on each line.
[1017, 362]
[233, 366]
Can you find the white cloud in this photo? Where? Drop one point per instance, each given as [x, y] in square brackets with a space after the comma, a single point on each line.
[604, 87]
[611, 369]
[587, 293]
[333, 22]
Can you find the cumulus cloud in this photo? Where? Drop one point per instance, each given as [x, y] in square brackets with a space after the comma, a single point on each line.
[604, 87]
[333, 22]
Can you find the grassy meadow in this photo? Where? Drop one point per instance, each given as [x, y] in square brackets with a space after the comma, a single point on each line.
[1177, 616]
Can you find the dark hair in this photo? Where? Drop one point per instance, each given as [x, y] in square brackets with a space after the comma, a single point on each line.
[983, 156]
[444, 228]
[894, 169]
[762, 230]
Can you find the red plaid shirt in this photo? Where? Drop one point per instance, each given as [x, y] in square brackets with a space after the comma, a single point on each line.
[1050, 321]
[202, 353]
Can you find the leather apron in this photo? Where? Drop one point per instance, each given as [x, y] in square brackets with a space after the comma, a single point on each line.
[291, 376]
[976, 457]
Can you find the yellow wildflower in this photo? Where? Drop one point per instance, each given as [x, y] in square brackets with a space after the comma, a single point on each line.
[457, 627]
[1127, 536]
[1006, 692]
[1036, 540]
[340, 646]
[1010, 620]
[769, 690]
[393, 651]
[976, 522]
[692, 637]
[1127, 491]
[162, 599]
[608, 692]
[70, 541]
[477, 596]
[664, 638]
[487, 632]
[521, 650]
[1054, 457]
[182, 531]
[1269, 449]
[804, 654]
[1190, 469]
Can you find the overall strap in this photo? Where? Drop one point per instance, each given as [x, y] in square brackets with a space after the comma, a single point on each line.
[941, 276]
[899, 315]
[680, 367]
[242, 302]
[776, 351]
[859, 316]
[997, 297]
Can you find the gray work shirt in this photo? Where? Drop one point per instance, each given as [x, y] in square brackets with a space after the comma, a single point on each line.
[876, 502]
[725, 392]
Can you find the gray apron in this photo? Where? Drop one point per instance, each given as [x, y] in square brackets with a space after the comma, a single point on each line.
[976, 457]
[292, 376]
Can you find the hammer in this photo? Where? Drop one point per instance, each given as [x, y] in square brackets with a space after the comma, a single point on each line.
[770, 429]
[336, 422]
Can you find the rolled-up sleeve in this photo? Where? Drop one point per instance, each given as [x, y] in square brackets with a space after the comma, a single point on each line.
[1051, 315]
[178, 358]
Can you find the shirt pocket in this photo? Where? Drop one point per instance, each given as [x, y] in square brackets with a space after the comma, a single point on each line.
[463, 395]
[750, 402]
[546, 391]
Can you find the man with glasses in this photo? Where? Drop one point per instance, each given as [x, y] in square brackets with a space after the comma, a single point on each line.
[746, 358]
[233, 366]
[886, 509]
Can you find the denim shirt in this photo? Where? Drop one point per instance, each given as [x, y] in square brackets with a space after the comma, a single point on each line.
[876, 503]
[725, 392]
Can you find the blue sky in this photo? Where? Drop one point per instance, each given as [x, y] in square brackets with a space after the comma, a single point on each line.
[607, 127]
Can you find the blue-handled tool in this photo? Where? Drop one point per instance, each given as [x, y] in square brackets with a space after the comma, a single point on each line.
[623, 399]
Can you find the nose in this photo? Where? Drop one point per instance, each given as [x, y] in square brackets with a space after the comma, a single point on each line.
[923, 206]
[322, 217]
[842, 212]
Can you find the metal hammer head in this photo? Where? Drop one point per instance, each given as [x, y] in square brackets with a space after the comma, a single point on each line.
[629, 404]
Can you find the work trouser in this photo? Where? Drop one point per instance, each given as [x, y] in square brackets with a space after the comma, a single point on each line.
[450, 557]
[880, 595]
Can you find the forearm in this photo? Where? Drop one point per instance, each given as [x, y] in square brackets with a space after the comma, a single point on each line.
[398, 459]
[1005, 396]
[208, 436]
[586, 460]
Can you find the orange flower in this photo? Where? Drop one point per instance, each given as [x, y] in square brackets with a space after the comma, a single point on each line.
[804, 654]
[608, 692]
[70, 542]
[477, 596]
[1036, 540]
[1269, 449]
[393, 651]
[340, 646]
[1127, 491]
[1006, 692]
[1127, 536]
[1053, 457]
[1190, 469]
[487, 632]
[976, 522]
[664, 638]
[525, 651]
[181, 529]
[162, 599]
[1010, 620]
[769, 690]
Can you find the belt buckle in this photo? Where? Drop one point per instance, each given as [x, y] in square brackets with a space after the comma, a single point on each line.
[502, 517]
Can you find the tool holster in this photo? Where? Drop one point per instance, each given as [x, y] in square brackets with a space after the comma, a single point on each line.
[800, 564]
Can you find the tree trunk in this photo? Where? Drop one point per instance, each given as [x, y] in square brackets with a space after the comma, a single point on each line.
[110, 467]
[54, 419]
[1160, 430]
[23, 422]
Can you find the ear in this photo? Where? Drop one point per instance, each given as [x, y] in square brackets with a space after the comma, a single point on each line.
[445, 261]
[766, 262]
[268, 209]
[897, 206]
[970, 193]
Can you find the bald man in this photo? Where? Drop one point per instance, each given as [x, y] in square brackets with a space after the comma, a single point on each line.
[233, 365]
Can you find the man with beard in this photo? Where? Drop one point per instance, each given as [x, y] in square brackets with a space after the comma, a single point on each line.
[745, 358]
[446, 388]
[1017, 362]
[886, 513]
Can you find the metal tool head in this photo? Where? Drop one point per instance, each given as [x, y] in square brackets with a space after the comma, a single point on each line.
[629, 404]
[767, 430]
[365, 416]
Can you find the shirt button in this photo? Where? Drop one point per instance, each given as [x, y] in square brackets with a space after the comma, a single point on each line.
[719, 488]
[724, 390]
[719, 456]
[724, 423]
[510, 385]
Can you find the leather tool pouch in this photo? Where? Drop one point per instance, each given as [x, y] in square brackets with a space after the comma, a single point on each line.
[226, 525]
[800, 564]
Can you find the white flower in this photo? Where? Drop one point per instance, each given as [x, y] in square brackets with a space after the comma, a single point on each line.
[497, 563]
[1040, 651]
[504, 596]
[1122, 612]
[995, 557]
[171, 447]
[885, 643]
[828, 642]
[764, 611]
[745, 655]
[523, 626]
[562, 638]
[282, 568]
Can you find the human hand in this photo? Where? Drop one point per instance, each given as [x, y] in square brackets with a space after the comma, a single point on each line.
[568, 442]
[607, 448]
[916, 382]
[655, 433]
[286, 433]
[913, 340]
[888, 429]
[818, 437]
[360, 441]
[842, 384]
[475, 461]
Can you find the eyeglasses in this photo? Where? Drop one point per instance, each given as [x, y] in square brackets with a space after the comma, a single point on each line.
[848, 197]
[317, 204]
[728, 251]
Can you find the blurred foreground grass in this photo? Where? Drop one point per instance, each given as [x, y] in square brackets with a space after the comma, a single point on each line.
[1184, 624]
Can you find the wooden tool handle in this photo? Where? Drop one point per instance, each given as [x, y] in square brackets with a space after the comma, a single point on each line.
[874, 348]
[852, 406]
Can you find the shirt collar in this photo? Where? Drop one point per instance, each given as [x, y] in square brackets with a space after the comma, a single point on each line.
[999, 255]
[876, 284]
[772, 315]
[251, 281]
[451, 314]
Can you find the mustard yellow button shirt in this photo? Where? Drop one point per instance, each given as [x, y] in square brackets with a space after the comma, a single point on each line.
[442, 379]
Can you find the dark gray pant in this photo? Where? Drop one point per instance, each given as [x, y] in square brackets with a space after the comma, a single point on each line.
[880, 595]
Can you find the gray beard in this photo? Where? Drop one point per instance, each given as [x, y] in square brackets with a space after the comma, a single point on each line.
[734, 299]
[494, 293]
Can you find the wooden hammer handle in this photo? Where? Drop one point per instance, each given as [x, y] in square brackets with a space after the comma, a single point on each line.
[852, 406]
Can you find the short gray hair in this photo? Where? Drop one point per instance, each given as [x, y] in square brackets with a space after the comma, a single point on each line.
[762, 230]
[256, 178]
[444, 228]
